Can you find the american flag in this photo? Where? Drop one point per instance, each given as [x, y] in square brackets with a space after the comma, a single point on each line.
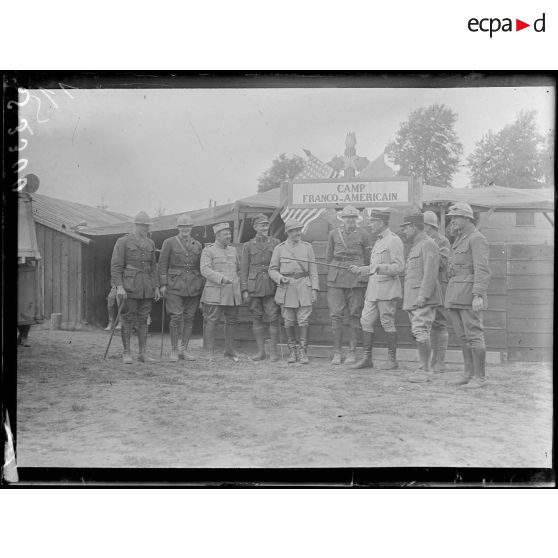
[313, 168]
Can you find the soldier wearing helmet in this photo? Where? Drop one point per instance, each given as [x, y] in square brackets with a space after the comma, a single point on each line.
[297, 287]
[347, 245]
[181, 285]
[134, 274]
[439, 335]
[257, 287]
[466, 294]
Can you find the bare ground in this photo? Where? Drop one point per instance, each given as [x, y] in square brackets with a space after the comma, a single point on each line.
[76, 410]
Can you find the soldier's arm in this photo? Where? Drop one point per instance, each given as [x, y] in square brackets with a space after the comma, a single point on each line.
[274, 263]
[117, 262]
[313, 269]
[366, 246]
[164, 258]
[479, 249]
[397, 261]
[206, 267]
[244, 267]
[431, 263]
[330, 246]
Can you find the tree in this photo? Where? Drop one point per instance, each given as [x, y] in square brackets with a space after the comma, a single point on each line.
[547, 159]
[282, 168]
[426, 146]
[510, 157]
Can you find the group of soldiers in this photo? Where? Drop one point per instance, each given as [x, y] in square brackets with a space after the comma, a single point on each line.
[280, 280]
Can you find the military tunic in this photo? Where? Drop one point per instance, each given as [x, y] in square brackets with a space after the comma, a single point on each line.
[421, 279]
[441, 319]
[179, 271]
[469, 275]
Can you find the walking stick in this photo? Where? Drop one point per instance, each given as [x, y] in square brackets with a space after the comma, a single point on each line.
[319, 263]
[162, 326]
[114, 327]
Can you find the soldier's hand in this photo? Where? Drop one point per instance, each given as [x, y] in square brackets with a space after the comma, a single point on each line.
[373, 269]
[354, 269]
[245, 296]
[121, 292]
[478, 303]
[157, 294]
[283, 280]
[420, 301]
[314, 296]
[226, 281]
[163, 290]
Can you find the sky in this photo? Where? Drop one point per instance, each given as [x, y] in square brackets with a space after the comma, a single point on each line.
[176, 149]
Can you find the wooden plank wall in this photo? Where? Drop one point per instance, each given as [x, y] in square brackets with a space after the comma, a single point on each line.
[60, 274]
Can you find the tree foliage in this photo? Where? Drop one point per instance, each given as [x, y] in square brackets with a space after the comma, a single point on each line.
[426, 146]
[510, 157]
[547, 159]
[282, 168]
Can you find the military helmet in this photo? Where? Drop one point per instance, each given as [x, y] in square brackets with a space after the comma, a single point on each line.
[461, 209]
[184, 221]
[292, 224]
[142, 218]
[349, 211]
[221, 227]
[260, 218]
[413, 219]
[430, 218]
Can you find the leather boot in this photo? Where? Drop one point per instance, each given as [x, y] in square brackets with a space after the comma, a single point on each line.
[260, 342]
[351, 355]
[468, 365]
[183, 346]
[392, 363]
[209, 338]
[439, 350]
[291, 343]
[111, 317]
[274, 337]
[174, 343]
[367, 344]
[423, 373]
[303, 356]
[142, 342]
[230, 341]
[126, 354]
[479, 368]
[337, 343]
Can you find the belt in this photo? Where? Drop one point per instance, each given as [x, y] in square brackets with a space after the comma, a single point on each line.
[296, 275]
[185, 268]
[144, 269]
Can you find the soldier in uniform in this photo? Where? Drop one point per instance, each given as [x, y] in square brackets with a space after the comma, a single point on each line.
[257, 287]
[384, 288]
[297, 286]
[221, 295]
[422, 291]
[347, 245]
[134, 273]
[439, 335]
[466, 298]
[181, 284]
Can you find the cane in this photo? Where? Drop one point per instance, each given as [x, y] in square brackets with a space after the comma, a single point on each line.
[114, 327]
[162, 326]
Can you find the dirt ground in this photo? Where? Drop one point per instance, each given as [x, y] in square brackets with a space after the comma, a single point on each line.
[76, 410]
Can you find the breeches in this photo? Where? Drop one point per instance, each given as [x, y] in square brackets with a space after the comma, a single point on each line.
[468, 326]
[214, 313]
[421, 322]
[292, 316]
[265, 306]
[340, 298]
[181, 307]
[382, 309]
[138, 308]
[441, 319]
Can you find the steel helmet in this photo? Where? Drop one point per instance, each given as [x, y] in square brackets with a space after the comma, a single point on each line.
[142, 218]
[461, 209]
[184, 221]
[430, 218]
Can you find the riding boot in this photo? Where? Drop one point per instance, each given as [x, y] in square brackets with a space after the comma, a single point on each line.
[230, 341]
[468, 365]
[367, 344]
[479, 368]
[174, 343]
[291, 343]
[303, 355]
[439, 349]
[351, 356]
[259, 335]
[337, 343]
[423, 373]
[392, 363]
[183, 347]
[209, 338]
[274, 337]
[126, 354]
[142, 342]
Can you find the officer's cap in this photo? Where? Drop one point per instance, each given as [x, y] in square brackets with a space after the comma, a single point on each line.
[142, 218]
[261, 218]
[292, 224]
[413, 219]
[184, 221]
[221, 227]
[461, 209]
[379, 215]
[430, 218]
[349, 211]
